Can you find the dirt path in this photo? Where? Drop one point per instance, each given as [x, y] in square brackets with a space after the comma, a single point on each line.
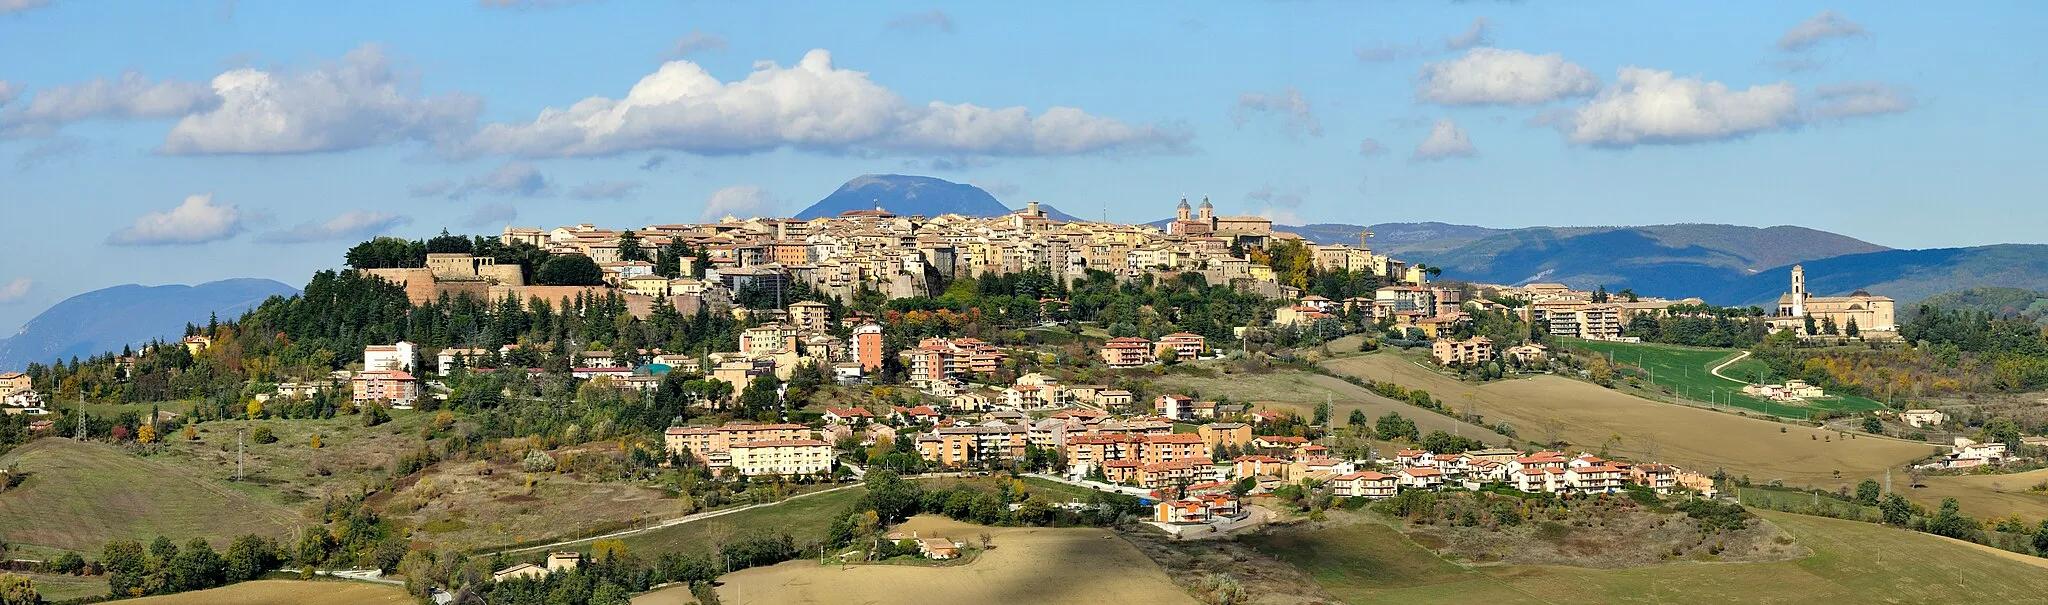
[1716, 371]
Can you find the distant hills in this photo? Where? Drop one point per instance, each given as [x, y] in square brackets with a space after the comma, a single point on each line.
[2031, 305]
[1908, 276]
[105, 320]
[906, 195]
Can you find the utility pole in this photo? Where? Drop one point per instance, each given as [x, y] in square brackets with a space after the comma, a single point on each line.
[238, 454]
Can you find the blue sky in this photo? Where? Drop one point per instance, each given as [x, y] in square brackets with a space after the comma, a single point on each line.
[181, 142]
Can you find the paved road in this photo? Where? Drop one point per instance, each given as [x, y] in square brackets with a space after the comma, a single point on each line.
[676, 521]
[1100, 487]
[361, 575]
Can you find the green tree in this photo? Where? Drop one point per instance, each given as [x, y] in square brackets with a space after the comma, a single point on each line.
[2041, 539]
[1322, 415]
[1852, 330]
[248, 557]
[1867, 492]
[197, 567]
[629, 247]
[1357, 421]
[125, 563]
[569, 270]
[449, 244]
[1872, 425]
[18, 590]
[1897, 511]
[1393, 426]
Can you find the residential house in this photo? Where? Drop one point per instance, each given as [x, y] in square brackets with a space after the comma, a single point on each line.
[781, 457]
[390, 357]
[449, 359]
[1185, 346]
[1922, 418]
[393, 387]
[1126, 352]
[1468, 352]
[1365, 484]
[1232, 434]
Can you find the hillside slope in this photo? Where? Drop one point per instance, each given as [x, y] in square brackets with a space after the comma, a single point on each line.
[105, 320]
[1905, 275]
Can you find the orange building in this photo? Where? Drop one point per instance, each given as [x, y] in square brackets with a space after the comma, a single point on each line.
[867, 347]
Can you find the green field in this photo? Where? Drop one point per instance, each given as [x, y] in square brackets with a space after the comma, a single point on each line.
[1804, 503]
[1685, 371]
[79, 495]
[804, 518]
[1853, 562]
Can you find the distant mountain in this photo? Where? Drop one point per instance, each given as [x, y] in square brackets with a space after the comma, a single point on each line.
[105, 320]
[906, 195]
[1908, 276]
[1656, 260]
[1396, 239]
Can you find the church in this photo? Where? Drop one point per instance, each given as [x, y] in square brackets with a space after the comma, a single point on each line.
[1188, 221]
[1870, 313]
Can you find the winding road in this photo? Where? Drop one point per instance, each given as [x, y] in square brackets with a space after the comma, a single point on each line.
[1717, 369]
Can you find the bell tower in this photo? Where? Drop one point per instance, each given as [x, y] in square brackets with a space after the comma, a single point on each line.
[1181, 212]
[1798, 291]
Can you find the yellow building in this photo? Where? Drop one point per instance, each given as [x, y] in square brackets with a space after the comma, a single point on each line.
[1869, 312]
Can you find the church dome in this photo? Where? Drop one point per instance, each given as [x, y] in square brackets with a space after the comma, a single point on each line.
[1183, 204]
[1206, 205]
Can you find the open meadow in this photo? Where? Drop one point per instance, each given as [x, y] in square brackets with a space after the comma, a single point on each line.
[1543, 408]
[80, 495]
[1687, 372]
[1853, 562]
[1300, 392]
[297, 592]
[805, 518]
[1026, 565]
[1984, 496]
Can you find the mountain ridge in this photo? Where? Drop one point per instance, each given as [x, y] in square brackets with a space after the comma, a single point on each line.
[109, 318]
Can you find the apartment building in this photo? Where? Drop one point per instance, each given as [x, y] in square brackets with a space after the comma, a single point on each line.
[781, 457]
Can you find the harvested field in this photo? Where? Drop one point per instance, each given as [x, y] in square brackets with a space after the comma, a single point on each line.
[80, 495]
[1027, 565]
[1983, 496]
[1590, 417]
[1853, 563]
[298, 592]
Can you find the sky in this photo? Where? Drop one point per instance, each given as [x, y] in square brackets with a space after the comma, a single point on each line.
[190, 141]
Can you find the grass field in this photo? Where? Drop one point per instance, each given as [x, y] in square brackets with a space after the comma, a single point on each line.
[81, 495]
[1590, 418]
[266, 592]
[1853, 563]
[1685, 371]
[55, 588]
[805, 518]
[1300, 392]
[1027, 565]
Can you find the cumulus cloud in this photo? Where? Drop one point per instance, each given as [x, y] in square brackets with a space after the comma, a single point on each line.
[1446, 140]
[742, 201]
[515, 179]
[605, 190]
[15, 6]
[351, 225]
[489, 215]
[8, 91]
[1296, 115]
[359, 102]
[1861, 99]
[935, 19]
[1648, 106]
[197, 221]
[133, 96]
[14, 291]
[1825, 26]
[1473, 36]
[695, 42]
[1492, 76]
[1269, 196]
[1371, 146]
[812, 105]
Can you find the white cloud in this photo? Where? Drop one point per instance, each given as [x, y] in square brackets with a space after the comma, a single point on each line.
[1648, 106]
[1266, 194]
[16, 290]
[1822, 27]
[133, 96]
[695, 42]
[934, 19]
[811, 106]
[741, 201]
[15, 6]
[1371, 146]
[1446, 140]
[518, 179]
[1473, 36]
[605, 190]
[491, 215]
[8, 91]
[358, 102]
[1861, 99]
[1295, 112]
[1492, 76]
[196, 221]
[351, 225]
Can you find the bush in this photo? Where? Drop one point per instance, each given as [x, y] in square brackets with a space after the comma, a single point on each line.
[262, 434]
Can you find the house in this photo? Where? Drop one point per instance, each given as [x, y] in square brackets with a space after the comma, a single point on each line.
[616, 374]
[1126, 352]
[1923, 418]
[781, 457]
[1253, 466]
[1182, 407]
[810, 317]
[1468, 352]
[848, 415]
[521, 571]
[396, 388]
[1278, 442]
[598, 359]
[13, 382]
[937, 548]
[1423, 478]
[767, 339]
[1970, 454]
[1196, 510]
[1661, 478]
[390, 357]
[1113, 398]
[563, 561]
[922, 414]
[1365, 484]
[1529, 354]
[1232, 434]
[449, 359]
[1185, 346]
[195, 344]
